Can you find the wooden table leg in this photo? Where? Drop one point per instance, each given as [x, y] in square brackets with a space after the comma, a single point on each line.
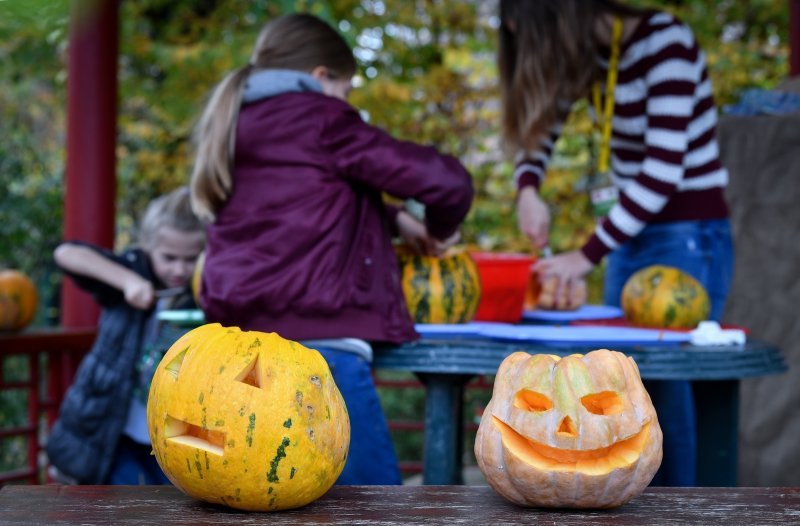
[444, 401]
[717, 404]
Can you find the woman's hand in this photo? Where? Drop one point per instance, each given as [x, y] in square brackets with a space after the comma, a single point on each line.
[533, 216]
[416, 236]
[570, 269]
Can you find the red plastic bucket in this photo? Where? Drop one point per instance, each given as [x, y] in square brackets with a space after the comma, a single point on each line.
[504, 280]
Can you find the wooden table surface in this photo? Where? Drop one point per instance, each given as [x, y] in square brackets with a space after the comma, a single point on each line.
[391, 505]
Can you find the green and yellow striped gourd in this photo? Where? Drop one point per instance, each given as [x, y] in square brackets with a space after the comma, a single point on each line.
[440, 290]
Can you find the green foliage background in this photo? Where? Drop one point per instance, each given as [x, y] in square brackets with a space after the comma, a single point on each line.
[426, 73]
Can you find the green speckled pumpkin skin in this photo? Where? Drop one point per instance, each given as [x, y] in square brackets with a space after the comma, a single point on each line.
[664, 297]
[248, 420]
[446, 289]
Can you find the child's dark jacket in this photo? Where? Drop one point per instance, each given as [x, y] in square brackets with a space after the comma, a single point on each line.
[83, 440]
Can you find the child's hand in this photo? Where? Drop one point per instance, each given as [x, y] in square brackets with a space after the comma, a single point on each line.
[440, 246]
[139, 293]
[415, 235]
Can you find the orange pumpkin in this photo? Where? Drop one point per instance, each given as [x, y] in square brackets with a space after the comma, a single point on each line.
[573, 432]
[662, 296]
[18, 300]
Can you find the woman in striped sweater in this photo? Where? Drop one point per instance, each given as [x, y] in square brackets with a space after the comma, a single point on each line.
[665, 204]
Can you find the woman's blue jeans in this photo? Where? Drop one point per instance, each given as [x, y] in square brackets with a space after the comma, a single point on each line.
[703, 249]
[371, 460]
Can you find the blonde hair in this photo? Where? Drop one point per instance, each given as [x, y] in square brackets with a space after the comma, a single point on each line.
[173, 210]
[547, 55]
[298, 42]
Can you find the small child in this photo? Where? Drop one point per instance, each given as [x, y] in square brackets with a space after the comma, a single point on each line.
[101, 434]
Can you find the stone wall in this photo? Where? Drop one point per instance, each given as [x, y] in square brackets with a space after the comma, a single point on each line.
[762, 155]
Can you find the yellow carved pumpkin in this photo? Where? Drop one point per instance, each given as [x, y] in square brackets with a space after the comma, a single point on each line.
[573, 432]
[248, 420]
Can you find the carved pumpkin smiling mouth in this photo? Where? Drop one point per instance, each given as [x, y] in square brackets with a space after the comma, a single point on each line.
[595, 461]
[578, 431]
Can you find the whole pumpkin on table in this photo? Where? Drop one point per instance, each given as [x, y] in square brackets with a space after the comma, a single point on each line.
[248, 420]
[446, 289]
[664, 297]
[572, 432]
[18, 300]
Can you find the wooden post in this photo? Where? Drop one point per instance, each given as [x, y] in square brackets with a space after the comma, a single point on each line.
[90, 186]
[794, 37]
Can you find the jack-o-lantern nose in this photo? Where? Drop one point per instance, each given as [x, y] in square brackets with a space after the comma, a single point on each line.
[567, 428]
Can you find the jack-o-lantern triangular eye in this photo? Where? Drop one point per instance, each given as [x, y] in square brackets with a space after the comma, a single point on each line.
[604, 403]
[251, 375]
[532, 401]
[174, 366]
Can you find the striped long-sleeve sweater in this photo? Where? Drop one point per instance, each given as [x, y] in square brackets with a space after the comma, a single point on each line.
[664, 152]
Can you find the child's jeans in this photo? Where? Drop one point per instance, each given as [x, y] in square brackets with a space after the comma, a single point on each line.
[371, 460]
[133, 465]
[704, 249]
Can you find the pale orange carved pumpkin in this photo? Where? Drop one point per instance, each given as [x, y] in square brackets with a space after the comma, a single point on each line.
[573, 432]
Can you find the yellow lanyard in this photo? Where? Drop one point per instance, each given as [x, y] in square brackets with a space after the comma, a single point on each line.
[604, 113]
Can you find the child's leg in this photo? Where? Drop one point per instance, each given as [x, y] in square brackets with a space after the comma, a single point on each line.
[125, 466]
[151, 471]
[133, 465]
[371, 459]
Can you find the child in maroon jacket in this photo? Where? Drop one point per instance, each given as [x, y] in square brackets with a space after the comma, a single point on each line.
[291, 179]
